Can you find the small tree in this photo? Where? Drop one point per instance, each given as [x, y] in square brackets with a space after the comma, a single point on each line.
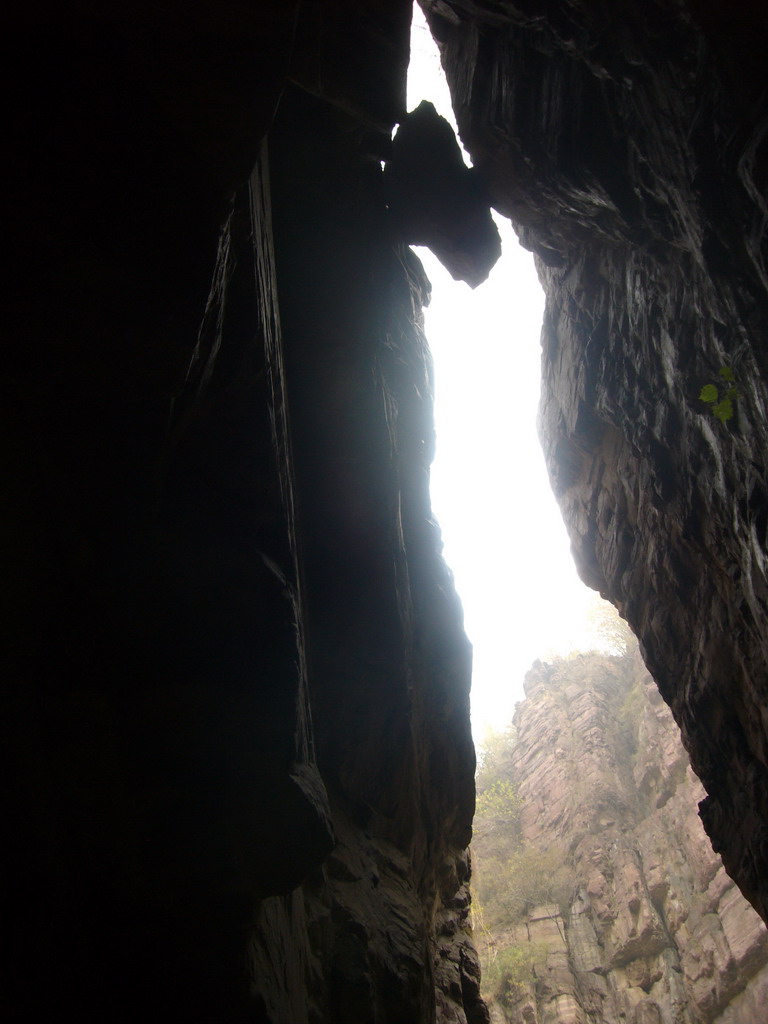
[508, 887]
[511, 967]
[534, 876]
[494, 756]
[613, 632]
[498, 810]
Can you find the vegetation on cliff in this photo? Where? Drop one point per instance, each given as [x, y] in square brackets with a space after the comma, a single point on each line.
[597, 894]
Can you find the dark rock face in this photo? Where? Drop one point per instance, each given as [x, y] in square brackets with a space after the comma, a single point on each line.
[628, 143]
[237, 682]
[236, 714]
[434, 200]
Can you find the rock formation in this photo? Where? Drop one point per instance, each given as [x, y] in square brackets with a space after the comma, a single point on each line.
[642, 925]
[435, 201]
[629, 144]
[236, 748]
[237, 716]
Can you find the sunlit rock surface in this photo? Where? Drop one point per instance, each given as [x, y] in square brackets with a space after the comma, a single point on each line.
[628, 144]
[649, 927]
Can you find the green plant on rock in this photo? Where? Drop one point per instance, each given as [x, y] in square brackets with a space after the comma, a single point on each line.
[721, 399]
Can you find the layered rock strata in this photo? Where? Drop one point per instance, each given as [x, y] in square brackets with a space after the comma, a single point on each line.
[648, 927]
[628, 143]
[237, 724]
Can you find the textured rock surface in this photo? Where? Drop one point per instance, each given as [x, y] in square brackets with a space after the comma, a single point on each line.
[237, 716]
[628, 143]
[649, 928]
[235, 680]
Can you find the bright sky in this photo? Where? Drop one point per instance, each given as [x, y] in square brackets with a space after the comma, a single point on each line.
[504, 538]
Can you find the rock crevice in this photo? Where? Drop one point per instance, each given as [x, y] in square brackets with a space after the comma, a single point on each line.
[230, 641]
[630, 150]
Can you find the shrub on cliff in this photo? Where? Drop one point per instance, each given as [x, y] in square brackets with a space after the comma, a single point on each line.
[513, 966]
[498, 811]
[508, 888]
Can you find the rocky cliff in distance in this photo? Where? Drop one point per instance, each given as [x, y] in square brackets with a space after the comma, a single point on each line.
[641, 924]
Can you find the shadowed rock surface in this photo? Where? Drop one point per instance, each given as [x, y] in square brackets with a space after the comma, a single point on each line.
[434, 200]
[629, 144]
[236, 717]
[236, 753]
[642, 924]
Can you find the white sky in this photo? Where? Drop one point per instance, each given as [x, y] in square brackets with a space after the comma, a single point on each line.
[504, 538]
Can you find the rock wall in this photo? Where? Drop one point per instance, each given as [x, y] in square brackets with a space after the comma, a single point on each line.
[648, 927]
[236, 727]
[628, 144]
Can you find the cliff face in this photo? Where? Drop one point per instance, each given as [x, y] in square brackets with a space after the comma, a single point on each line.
[236, 685]
[643, 924]
[237, 721]
[628, 143]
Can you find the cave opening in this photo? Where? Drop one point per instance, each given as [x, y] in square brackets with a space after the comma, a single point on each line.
[498, 517]
[235, 729]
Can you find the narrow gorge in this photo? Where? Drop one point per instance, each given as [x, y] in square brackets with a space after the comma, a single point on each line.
[238, 772]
